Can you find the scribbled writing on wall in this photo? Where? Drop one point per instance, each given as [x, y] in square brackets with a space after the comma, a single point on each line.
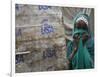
[18, 32]
[17, 7]
[49, 53]
[46, 28]
[44, 7]
[19, 58]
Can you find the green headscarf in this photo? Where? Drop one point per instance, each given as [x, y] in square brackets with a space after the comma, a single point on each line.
[82, 58]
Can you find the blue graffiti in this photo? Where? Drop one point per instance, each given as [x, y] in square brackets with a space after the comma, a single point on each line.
[17, 7]
[18, 32]
[44, 7]
[19, 58]
[49, 53]
[46, 28]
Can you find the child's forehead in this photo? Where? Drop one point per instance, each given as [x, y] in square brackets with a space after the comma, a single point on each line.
[81, 23]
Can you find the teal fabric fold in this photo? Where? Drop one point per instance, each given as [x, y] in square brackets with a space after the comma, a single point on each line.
[82, 58]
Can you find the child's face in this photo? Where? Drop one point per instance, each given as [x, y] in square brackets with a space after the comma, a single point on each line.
[83, 35]
[81, 25]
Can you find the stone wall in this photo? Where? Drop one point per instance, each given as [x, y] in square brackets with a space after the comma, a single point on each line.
[39, 30]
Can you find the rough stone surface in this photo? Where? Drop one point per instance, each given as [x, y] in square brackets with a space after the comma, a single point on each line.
[39, 30]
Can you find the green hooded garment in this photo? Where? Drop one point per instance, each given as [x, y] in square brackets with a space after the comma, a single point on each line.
[84, 57]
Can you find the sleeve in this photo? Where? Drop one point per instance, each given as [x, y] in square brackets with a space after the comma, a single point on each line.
[69, 49]
[90, 47]
[68, 52]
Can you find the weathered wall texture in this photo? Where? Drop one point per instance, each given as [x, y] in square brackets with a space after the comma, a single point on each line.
[39, 30]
